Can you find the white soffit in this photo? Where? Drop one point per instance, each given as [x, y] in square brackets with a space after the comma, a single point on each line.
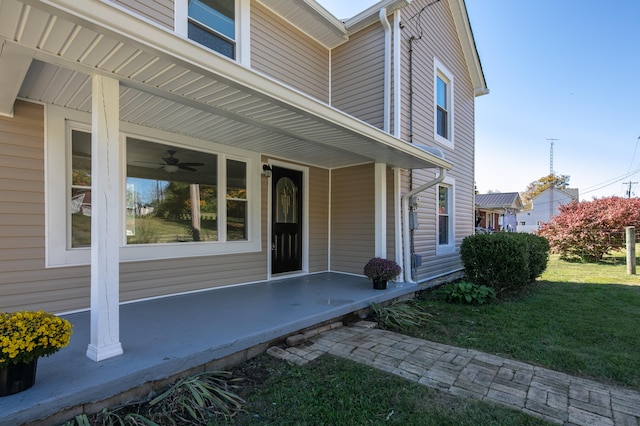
[173, 84]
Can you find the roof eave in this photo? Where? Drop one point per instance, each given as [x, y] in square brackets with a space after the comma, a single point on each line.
[467, 41]
[371, 14]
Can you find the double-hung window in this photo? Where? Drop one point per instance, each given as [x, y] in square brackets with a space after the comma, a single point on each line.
[443, 106]
[444, 222]
[212, 23]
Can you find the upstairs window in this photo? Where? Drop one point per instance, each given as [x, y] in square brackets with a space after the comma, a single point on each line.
[443, 105]
[442, 108]
[212, 24]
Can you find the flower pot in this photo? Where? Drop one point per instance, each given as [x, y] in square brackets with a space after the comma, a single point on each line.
[380, 284]
[18, 377]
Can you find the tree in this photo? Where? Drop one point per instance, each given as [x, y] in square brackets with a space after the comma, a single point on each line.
[588, 230]
[538, 186]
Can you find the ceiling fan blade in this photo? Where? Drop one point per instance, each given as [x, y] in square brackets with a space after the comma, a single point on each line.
[192, 164]
[183, 167]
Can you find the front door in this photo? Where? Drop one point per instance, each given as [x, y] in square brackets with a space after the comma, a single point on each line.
[286, 204]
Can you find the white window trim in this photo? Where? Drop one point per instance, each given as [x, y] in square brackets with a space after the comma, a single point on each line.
[451, 247]
[439, 70]
[243, 27]
[57, 187]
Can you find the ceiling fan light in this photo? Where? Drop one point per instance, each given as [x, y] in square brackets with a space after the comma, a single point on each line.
[171, 168]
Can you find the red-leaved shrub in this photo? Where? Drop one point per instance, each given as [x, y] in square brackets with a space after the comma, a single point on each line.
[588, 230]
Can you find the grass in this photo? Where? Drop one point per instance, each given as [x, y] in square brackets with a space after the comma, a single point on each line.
[334, 391]
[579, 318]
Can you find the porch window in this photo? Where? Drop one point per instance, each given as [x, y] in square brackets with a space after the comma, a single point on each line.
[171, 194]
[174, 191]
[236, 200]
[443, 108]
[212, 24]
[80, 206]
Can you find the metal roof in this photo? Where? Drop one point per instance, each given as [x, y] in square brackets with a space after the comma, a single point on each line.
[499, 200]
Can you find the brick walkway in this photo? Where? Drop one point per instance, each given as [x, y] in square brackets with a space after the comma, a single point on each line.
[553, 396]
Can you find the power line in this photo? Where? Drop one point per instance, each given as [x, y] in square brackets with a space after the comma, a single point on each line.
[609, 182]
[633, 157]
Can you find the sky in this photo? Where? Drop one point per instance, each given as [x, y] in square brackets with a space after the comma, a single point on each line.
[567, 70]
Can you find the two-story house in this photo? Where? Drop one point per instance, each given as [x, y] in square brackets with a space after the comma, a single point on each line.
[544, 206]
[151, 148]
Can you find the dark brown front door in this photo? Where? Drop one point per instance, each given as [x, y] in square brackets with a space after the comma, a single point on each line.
[286, 238]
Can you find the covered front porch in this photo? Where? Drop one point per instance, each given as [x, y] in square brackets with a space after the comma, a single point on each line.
[166, 336]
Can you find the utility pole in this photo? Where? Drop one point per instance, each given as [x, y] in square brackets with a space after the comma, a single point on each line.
[629, 190]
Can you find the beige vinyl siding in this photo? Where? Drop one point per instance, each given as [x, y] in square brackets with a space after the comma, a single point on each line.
[140, 280]
[318, 220]
[352, 218]
[287, 54]
[357, 77]
[158, 11]
[439, 41]
[25, 282]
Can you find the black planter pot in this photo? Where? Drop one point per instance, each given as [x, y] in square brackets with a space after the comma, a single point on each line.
[380, 284]
[18, 377]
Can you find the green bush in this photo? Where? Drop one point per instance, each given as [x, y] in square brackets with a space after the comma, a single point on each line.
[466, 292]
[504, 261]
[538, 248]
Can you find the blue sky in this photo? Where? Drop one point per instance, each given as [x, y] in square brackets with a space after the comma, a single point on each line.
[557, 69]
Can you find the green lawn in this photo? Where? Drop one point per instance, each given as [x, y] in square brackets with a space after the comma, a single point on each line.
[578, 318]
[334, 391]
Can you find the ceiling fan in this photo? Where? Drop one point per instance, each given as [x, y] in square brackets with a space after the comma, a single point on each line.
[172, 164]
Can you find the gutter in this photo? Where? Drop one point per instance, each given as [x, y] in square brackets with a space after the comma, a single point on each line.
[387, 69]
[406, 269]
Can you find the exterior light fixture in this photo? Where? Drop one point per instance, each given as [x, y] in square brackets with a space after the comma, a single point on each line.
[266, 170]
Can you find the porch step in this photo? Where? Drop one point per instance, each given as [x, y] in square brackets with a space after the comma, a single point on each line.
[298, 339]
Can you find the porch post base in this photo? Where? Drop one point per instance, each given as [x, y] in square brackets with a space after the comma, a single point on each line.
[97, 354]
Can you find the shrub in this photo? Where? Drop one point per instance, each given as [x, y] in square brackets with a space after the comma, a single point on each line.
[588, 230]
[466, 292]
[504, 261]
[538, 249]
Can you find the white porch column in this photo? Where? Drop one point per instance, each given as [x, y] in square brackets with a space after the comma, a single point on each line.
[105, 219]
[380, 177]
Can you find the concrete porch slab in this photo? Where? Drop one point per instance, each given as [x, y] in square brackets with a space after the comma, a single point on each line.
[164, 337]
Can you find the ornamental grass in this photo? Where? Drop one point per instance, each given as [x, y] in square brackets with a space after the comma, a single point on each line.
[26, 336]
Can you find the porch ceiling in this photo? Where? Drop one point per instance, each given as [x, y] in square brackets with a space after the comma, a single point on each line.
[170, 83]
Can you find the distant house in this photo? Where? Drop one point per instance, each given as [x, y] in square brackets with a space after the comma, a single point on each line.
[544, 206]
[497, 212]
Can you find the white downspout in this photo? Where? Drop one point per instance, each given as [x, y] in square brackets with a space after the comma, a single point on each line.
[387, 69]
[405, 222]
